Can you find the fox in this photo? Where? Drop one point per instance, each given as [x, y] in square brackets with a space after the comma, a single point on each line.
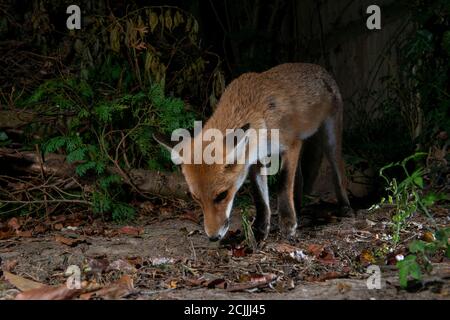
[300, 100]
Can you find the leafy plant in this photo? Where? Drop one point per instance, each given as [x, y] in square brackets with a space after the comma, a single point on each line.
[406, 196]
[413, 263]
[247, 229]
[106, 136]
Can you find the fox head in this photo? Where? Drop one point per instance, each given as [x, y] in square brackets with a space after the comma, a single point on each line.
[214, 185]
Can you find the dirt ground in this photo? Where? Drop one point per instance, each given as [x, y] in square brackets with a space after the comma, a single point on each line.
[168, 256]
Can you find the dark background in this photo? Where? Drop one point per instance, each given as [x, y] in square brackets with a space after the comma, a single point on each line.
[394, 81]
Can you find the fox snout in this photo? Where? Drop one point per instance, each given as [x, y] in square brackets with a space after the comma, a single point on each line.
[218, 232]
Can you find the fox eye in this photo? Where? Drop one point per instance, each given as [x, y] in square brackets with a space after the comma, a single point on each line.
[221, 196]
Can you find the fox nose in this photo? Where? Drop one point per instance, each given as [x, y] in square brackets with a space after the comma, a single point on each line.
[214, 238]
[221, 233]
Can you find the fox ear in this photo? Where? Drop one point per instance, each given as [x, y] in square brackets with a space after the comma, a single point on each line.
[236, 145]
[170, 146]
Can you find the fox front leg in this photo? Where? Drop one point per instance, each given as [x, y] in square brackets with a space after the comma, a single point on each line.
[260, 193]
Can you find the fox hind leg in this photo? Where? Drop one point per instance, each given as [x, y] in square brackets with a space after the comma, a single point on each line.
[333, 152]
[286, 206]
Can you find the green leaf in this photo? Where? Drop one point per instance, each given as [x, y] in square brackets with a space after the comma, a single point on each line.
[3, 136]
[418, 181]
[408, 267]
[417, 246]
[77, 155]
[84, 167]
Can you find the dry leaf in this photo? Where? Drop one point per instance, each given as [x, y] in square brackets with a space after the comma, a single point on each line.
[256, 281]
[114, 291]
[285, 248]
[238, 252]
[68, 241]
[131, 230]
[98, 265]
[61, 292]
[428, 237]
[25, 234]
[9, 265]
[22, 283]
[366, 257]
[315, 249]
[14, 224]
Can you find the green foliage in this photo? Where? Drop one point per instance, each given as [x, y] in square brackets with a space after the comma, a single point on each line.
[406, 196]
[413, 263]
[247, 229]
[109, 131]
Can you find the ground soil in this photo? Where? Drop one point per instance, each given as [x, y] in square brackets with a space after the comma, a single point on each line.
[171, 257]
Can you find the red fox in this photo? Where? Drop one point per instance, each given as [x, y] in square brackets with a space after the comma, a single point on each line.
[302, 102]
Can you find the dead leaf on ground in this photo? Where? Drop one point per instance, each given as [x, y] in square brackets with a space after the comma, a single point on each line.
[285, 248]
[58, 226]
[238, 251]
[366, 257]
[137, 262]
[61, 292]
[40, 228]
[22, 283]
[315, 249]
[256, 281]
[69, 241]
[216, 283]
[25, 234]
[114, 291]
[327, 276]
[6, 234]
[322, 254]
[10, 265]
[130, 230]
[14, 224]
[97, 265]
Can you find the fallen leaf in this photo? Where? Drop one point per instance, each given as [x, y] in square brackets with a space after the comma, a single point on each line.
[25, 234]
[61, 292]
[14, 224]
[135, 261]
[428, 237]
[114, 291]
[238, 252]
[69, 241]
[315, 249]
[328, 276]
[343, 287]
[58, 226]
[173, 284]
[6, 234]
[10, 264]
[366, 257]
[285, 248]
[97, 265]
[22, 283]
[40, 228]
[256, 281]
[133, 231]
